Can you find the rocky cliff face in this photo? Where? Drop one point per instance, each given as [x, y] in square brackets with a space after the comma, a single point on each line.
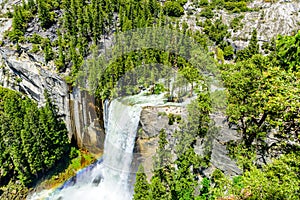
[272, 19]
[153, 119]
[23, 72]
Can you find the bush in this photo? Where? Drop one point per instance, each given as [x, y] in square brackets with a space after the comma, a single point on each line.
[35, 48]
[35, 39]
[235, 6]
[235, 24]
[228, 52]
[218, 3]
[203, 3]
[236, 10]
[207, 12]
[173, 9]
[182, 2]
[158, 88]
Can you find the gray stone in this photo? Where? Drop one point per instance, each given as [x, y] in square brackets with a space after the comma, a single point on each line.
[220, 160]
[22, 72]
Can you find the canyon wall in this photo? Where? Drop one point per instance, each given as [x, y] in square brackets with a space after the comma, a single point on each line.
[24, 72]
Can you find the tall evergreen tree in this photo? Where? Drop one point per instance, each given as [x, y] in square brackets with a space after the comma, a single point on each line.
[141, 187]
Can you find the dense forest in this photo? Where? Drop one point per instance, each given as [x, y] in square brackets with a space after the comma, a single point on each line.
[261, 83]
[33, 140]
[262, 96]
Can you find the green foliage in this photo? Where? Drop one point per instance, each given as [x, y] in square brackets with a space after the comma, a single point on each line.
[21, 17]
[173, 9]
[250, 50]
[287, 48]
[277, 180]
[158, 88]
[67, 168]
[228, 52]
[203, 3]
[48, 53]
[32, 139]
[216, 31]
[236, 6]
[173, 118]
[220, 55]
[236, 24]
[35, 39]
[261, 97]
[207, 12]
[141, 186]
[217, 3]
[218, 100]
[46, 17]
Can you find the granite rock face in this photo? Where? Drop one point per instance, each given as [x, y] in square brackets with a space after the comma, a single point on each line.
[153, 119]
[271, 20]
[21, 71]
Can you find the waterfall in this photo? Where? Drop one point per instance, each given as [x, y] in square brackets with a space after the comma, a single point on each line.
[109, 180]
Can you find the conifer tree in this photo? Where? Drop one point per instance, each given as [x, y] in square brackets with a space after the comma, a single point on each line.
[141, 187]
[45, 16]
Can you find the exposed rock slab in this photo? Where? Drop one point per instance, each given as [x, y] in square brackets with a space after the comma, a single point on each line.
[153, 119]
[22, 72]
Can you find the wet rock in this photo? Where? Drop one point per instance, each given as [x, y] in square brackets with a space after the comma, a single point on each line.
[97, 180]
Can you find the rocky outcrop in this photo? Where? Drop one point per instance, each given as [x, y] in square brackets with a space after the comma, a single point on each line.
[86, 121]
[22, 72]
[215, 142]
[153, 119]
[271, 20]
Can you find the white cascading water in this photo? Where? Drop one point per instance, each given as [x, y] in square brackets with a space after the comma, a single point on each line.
[121, 119]
[121, 127]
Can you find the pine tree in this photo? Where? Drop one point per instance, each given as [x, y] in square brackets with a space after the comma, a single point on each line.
[141, 187]
[45, 16]
[48, 53]
[60, 62]
[253, 44]
[158, 191]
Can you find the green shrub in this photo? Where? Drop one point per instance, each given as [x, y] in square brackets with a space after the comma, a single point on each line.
[158, 88]
[35, 48]
[207, 12]
[203, 3]
[173, 9]
[182, 2]
[217, 3]
[233, 6]
[228, 52]
[235, 24]
[236, 10]
[174, 118]
[35, 39]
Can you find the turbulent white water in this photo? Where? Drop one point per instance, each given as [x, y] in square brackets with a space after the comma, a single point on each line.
[111, 179]
[121, 126]
[121, 119]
